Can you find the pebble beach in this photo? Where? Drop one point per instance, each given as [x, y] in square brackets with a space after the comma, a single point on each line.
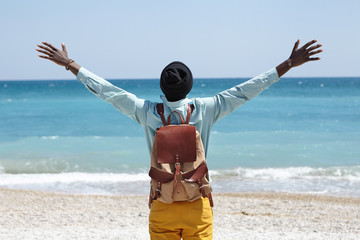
[46, 215]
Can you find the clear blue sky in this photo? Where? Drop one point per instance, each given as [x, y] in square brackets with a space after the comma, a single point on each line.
[136, 39]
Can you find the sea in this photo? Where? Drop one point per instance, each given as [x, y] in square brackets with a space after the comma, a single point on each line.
[302, 135]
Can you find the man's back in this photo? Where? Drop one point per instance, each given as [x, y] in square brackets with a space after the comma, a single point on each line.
[206, 111]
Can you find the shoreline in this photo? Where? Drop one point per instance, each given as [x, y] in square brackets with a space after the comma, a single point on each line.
[26, 214]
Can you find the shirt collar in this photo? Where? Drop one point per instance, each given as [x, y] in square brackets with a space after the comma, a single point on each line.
[175, 104]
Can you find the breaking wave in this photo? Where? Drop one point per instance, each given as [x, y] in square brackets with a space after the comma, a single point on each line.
[339, 181]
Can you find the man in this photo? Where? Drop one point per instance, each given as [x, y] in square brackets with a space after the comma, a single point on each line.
[187, 220]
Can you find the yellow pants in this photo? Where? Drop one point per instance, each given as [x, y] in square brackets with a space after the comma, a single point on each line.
[186, 220]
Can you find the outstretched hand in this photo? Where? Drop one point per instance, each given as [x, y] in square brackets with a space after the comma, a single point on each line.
[55, 55]
[299, 56]
[302, 55]
[58, 56]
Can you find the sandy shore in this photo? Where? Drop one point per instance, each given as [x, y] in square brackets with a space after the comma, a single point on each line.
[42, 215]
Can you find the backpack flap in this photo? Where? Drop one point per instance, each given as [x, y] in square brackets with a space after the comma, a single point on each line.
[176, 143]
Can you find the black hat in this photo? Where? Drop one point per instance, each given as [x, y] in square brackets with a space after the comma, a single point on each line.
[176, 81]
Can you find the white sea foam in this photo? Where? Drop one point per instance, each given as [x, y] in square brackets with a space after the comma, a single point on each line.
[86, 183]
[340, 181]
[49, 137]
[352, 173]
[15, 179]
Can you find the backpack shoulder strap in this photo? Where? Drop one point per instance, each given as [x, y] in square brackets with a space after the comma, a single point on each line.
[189, 111]
[160, 111]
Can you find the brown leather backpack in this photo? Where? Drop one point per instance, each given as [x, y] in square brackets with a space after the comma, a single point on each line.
[178, 168]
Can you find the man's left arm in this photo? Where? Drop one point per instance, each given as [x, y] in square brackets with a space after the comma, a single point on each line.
[125, 102]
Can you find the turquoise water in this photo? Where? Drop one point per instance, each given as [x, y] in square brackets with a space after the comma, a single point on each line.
[300, 135]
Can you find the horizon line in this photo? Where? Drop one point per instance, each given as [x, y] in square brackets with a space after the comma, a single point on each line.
[200, 78]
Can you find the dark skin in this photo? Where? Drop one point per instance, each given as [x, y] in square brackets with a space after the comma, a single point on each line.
[57, 56]
[298, 56]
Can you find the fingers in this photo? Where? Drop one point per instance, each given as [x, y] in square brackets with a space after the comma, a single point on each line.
[308, 44]
[46, 57]
[50, 46]
[46, 51]
[46, 48]
[296, 45]
[315, 52]
[313, 47]
[312, 59]
[63, 47]
[42, 51]
[308, 50]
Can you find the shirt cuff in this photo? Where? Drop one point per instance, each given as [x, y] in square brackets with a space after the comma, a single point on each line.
[273, 75]
[82, 75]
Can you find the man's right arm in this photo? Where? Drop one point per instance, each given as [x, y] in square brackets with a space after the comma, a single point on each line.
[299, 56]
[227, 101]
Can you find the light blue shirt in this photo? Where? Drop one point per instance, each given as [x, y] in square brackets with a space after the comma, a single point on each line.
[206, 111]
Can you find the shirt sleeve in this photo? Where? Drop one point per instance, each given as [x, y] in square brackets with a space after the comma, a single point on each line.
[225, 102]
[125, 102]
